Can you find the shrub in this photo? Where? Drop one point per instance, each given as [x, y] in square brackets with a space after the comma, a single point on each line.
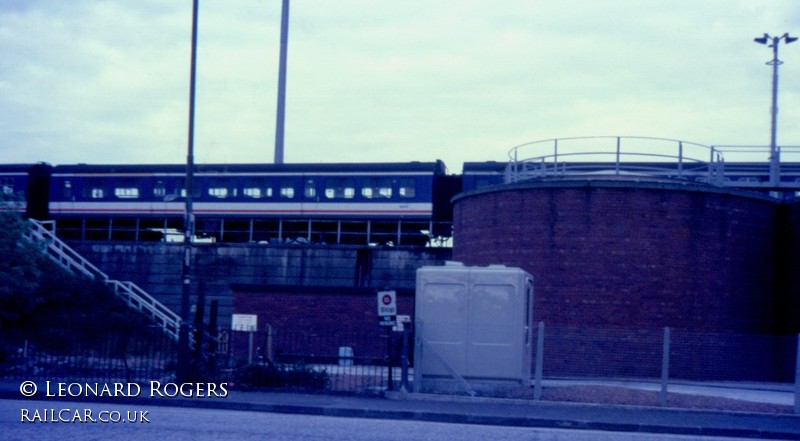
[296, 375]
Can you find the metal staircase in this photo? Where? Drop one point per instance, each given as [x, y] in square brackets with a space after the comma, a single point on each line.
[129, 292]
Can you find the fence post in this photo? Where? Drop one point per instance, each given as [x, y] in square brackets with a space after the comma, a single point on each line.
[537, 382]
[404, 358]
[390, 379]
[665, 368]
[797, 379]
[250, 335]
[269, 342]
[418, 332]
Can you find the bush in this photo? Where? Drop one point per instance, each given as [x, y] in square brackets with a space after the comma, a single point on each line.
[44, 304]
[297, 375]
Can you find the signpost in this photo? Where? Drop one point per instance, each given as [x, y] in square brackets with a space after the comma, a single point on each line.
[387, 311]
[387, 304]
[246, 323]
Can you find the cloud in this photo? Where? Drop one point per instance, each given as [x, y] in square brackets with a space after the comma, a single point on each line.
[107, 80]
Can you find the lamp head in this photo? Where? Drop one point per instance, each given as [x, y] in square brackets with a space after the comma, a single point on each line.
[762, 40]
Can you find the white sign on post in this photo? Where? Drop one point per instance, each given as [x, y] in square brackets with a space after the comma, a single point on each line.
[387, 303]
[402, 320]
[244, 322]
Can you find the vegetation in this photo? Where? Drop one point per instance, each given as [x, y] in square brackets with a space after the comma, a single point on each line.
[281, 375]
[45, 305]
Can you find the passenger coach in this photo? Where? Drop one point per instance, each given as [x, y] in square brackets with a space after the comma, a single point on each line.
[378, 203]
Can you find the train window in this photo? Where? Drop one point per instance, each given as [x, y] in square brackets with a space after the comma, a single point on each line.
[408, 188]
[8, 185]
[218, 192]
[67, 189]
[126, 192]
[180, 186]
[287, 190]
[257, 189]
[160, 190]
[310, 189]
[222, 188]
[374, 188]
[340, 188]
[257, 192]
[94, 193]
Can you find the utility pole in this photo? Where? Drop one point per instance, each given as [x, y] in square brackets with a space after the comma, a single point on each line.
[184, 355]
[281, 113]
[774, 153]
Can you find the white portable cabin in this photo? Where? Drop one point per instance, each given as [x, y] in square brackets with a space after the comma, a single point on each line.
[473, 327]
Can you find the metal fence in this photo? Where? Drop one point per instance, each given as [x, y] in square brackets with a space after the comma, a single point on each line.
[113, 358]
[580, 352]
[614, 155]
[738, 166]
[355, 360]
[359, 360]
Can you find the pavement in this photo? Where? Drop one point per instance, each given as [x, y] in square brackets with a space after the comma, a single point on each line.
[767, 393]
[478, 410]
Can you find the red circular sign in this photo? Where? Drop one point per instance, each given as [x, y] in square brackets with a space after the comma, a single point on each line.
[387, 299]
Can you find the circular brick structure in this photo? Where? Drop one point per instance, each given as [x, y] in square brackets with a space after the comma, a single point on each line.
[629, 253]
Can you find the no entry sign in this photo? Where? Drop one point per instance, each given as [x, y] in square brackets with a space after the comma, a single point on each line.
[387, 303]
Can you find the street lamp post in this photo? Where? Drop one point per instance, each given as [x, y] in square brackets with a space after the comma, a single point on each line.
[774, 154]
[184, 363]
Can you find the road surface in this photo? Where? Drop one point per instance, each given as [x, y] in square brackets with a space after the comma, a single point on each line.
[60, 421]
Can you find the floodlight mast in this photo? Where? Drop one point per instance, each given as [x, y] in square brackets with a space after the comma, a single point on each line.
[774, 154]
[281, 113]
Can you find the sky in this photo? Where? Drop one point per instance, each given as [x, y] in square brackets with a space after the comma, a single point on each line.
[107, 81]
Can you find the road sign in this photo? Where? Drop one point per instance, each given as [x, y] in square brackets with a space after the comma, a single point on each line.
[387, 303]
[401, 321]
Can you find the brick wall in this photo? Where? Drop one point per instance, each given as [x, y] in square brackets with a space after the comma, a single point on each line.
[788, 247]
[334, 316]
[632, 255]
[332, 271]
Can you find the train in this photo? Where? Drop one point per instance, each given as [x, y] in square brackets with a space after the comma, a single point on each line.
[396, 204]
[376, 204]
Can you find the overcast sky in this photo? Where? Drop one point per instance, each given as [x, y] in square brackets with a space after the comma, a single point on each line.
[107, 81]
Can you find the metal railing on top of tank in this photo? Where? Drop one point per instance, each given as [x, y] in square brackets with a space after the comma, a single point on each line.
[615, 156]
